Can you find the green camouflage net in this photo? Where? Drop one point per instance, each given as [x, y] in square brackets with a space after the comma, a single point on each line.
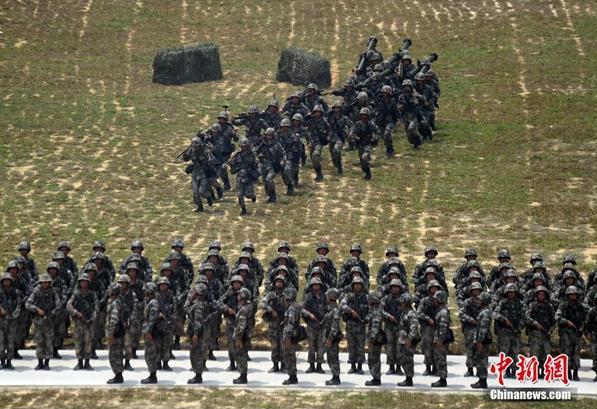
[301, 67]
[196, 63]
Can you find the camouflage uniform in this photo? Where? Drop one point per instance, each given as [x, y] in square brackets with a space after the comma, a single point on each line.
[168, 302]
[340, 128]
[292, 317]
[570, 336]
[540, 320]
[198, 313]
[243, 164]
[272, 115]
[83, 307]
[425, 312]
[153, 327]
[115, 329]
[293, 147]
[332, 333]
[254, 124]
[409, 105]
[240, 334]
[355, 327]
[48, 301]
[468, 315]
[10, 307]
[229, 301]
[508, 338]
[375, 334]
[272, 159]
[202, 162]
[273, 302]
[143, 264]
[390, 305]
[315, 303]
[319, 133]
[442, 326]
[483, 338]
[294, 106]
[386, 116]
[408, 336]
[365, 134]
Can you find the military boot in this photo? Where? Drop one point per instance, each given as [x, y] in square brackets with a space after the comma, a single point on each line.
[176, 345]
[289, 190]
[427, 371]
[243, 211]
[226, 182]
[407, 382]
[391, 370]
[17, 355]
[56, 355]
[40, 365]
[292, 380]
[242, 379]
[274, 368]
[575, 375]
[2, 363]
[94, 355]
[441, 383]
[399, 370]
[47, 364]
[232, 366]
[373, 382]
[152, 378]
[367, 174]
[219, 192]
[311, 368]
[166, 367]
[480, 384]
[353, 368]
[210, 200]
[211, 356]
[469, 373]
[196, 379]
[8, 365]
[117, 379]
[171, 355]
[87, 366]
[319, 175]
[334, 381]
[199, 208]
[134, 354]
[319, 369]
[389, 151]
[127, 365]
[79, 365]
[360, 369]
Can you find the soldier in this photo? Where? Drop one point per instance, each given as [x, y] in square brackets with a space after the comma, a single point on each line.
[290, 334]
[271, 115]
[69, 262]
[354, 310]
[431, 252]
[213, 292]
[241, 334]
[347, 92]
[503, 257]
[202, 161]
[468, 315]
[409, 105]
[272, 157]
[221, 146]
[539, 318]
[463, 270]
[365, 134]
[314, 305]
[60, 318]
[178, 287]
[24, 250]
[319, 133]
[133, 305]
[591, 333]
[390, 305]
[145, 271]
[375, 339]
[571, 316]
[332, 335]
[408, 337]
[427, 101]
[254, 124]
[168, 299]
[99, 246]
[229, 134]
[45, 303]
[293, 147]
[115, 331]
[302, 132]
[312, 98]
[244, 165]
[185, 261]
[482, 341]
[228, 304]
[392, 253]
[23, 283]
[426, 313]
[340, 128]
[330, 275]
[294, 106]
[386, 117]
[83, 307]
[67, 276]
[274, 307]
[153, 332]
[197, 327]
[356, 251]
[10, 309]
[509, 319]
[442, 337]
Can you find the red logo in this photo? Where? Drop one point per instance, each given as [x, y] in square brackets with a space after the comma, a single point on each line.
[527, 368]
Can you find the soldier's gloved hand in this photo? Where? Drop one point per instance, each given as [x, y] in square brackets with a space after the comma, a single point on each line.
[430, 322]
[40, 312]
[79, 315]
[148, 338]
[110, 339]
[473, 322]
[354, 314]
[328, 343]
[274, 314]
[391, 318]
[540, 327]
[408, 343]
[479, 346]
[238, 344]
[195, 339]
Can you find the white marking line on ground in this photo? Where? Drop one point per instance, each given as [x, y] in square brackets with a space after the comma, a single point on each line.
[62, 375]
[570, 24]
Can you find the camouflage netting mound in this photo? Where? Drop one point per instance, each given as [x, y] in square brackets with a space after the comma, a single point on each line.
[196, 63]
[301, 67]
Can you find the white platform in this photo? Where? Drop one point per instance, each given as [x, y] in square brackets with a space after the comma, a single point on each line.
[62, 375]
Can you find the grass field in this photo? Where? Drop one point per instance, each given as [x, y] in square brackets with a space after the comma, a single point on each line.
[88, 142]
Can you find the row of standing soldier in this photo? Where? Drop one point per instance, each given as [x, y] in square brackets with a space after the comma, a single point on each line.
[393, 315]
